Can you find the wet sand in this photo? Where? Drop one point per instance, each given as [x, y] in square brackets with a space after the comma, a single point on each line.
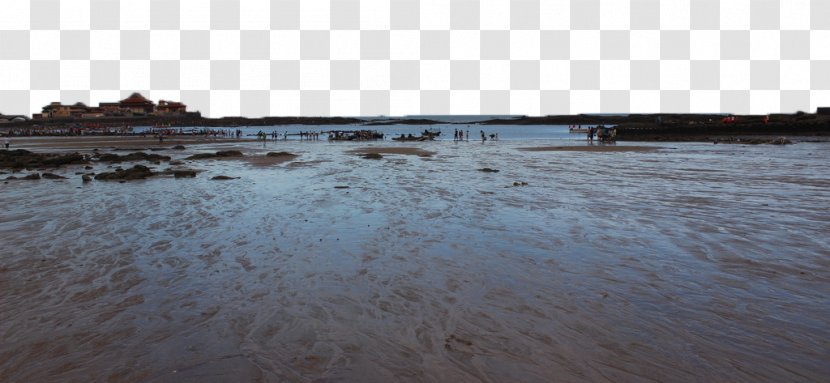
[591, 148]
[108, 142]
[266, 159]
[702, 263]
[393, 150]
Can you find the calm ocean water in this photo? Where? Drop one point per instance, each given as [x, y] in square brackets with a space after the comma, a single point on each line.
[505, 132]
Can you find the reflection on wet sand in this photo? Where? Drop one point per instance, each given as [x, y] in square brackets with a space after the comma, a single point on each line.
[695, 263]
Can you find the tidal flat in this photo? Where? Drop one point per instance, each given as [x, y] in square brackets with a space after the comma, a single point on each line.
[670, 262]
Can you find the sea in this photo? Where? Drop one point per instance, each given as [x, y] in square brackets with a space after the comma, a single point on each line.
[668, 262]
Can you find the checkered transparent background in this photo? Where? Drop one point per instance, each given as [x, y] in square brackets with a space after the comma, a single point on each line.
[397, 57]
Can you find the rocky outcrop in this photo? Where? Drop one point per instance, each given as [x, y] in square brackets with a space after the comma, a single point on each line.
[372, 156]
[24, 159]
[280, 154]
[137, 156]
[753, 141]
[184, 173]
[137, 172]
[219, 154]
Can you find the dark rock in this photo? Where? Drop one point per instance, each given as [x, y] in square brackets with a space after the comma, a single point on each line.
[372, 156]
[341, 187]
[184, 173]
[137, 172]
[137, 156]
[220, 154]
[178, 147]
[280, 154]
[781, 141]
[33, 176]
[223, 178]
[176, 163]
[201, 156]
[24, 159]
[86, 178]
[66, 159]
[488, 170]
[51, 176]
[229, 153]
[11, 178]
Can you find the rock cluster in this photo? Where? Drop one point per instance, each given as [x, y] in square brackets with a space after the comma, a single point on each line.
[24, 159]
[137, 156]
[219, 154]
[372, 156]
[280, 154]
[137, 172]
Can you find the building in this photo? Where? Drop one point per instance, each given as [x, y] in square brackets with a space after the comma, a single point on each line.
[170, 108]
[58, 110]
[111, 108]
[137, 105]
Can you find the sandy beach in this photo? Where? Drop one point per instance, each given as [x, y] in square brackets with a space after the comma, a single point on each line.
[689, 262]
[138, 143]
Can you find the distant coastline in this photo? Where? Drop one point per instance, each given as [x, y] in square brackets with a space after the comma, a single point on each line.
[631, 127]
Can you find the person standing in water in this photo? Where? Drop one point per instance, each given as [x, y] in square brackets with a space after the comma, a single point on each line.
[7, 141]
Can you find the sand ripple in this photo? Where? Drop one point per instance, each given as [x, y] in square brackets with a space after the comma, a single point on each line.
[698, 263]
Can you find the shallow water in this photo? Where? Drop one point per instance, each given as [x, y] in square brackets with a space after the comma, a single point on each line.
[696, 262]
[505, 132]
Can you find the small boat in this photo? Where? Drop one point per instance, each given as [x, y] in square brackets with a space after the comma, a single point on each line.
[354, 135]
[431, 132]
[577, 129]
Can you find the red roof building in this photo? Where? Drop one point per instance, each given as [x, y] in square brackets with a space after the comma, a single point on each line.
[170, 107]
[137, 104]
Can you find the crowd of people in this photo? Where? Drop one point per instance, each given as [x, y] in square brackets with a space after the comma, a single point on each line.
[71, 131]
[603, 133]
[459, 135]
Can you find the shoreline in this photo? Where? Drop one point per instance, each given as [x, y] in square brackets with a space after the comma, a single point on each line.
[480, 262]
[630, 127]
